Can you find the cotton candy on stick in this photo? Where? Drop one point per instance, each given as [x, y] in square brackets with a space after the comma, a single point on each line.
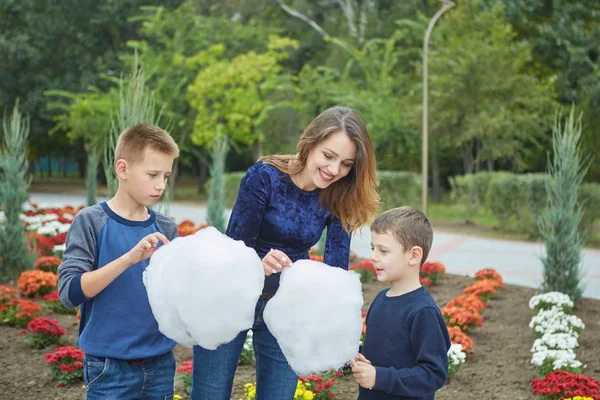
[216, 283]
[316, 316]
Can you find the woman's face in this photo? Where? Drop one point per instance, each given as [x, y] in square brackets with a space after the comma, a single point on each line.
[330, 161]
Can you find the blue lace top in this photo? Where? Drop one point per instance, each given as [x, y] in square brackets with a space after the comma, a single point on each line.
[271, 212]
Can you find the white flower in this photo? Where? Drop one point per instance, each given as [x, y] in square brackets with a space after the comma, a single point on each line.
[560, 358]
[555, 320]
[53, 228]
[2, 216]
[27, 206]
[555, 341]
[456, 355]
[59, 248]
[554, 298]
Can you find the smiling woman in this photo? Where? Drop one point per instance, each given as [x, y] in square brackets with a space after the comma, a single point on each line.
[284, 204]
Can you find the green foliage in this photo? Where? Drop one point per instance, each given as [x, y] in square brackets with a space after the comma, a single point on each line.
[483, 100]
[234, 96]
[471, 191]
[14, 183]
[85, 116]
[231, 187]
[590, 198]
[136, 106]
[399, 188]
[561, 219]
[215, 213]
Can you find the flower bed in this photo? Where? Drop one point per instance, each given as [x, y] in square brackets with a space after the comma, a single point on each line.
[37, 283]
[66, 364]
[553, 352]
[42, 332]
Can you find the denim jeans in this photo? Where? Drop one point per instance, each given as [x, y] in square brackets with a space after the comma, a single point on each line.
[112, 379]
[213, 370]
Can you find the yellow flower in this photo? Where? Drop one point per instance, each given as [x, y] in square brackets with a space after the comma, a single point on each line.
[177, 397]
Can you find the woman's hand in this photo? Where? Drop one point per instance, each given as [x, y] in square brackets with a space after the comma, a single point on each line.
[275, 261]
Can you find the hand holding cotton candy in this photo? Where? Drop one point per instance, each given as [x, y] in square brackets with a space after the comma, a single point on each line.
[316, 316]
[203, 288]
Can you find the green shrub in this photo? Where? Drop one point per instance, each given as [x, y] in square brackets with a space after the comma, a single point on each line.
[590, 197]
[471, 190]
[399, 188]
[506, 200]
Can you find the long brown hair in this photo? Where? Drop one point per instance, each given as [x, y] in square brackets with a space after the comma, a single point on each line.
[353, 199]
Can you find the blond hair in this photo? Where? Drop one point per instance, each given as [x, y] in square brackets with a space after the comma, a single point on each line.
[353, 199]
[409, 226]
[132, 142]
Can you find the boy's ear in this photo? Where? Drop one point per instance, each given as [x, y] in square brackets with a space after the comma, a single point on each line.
[416, 255]
[121, 168]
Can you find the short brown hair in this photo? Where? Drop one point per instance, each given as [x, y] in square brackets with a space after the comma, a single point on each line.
[132, 142]
[409, 226]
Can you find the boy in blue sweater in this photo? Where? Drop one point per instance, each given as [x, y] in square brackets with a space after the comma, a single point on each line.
[107, 250]
[405, 352]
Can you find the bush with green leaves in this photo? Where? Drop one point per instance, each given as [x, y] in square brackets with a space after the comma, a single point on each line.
[14, 183]
[399, 188]
[560, 222]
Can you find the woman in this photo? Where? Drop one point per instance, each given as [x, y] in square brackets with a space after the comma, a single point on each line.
[284, 204]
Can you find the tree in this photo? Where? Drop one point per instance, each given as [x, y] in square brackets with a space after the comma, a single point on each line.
[560, 222]
[136, 106]
[168, 38]
[234, 96]
[14, 183]
[482, 97]
[85, 116]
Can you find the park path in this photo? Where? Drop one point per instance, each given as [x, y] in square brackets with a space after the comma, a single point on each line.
[518, 262]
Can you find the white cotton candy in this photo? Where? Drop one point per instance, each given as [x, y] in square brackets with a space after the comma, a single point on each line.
[203, 288]
[316, 316]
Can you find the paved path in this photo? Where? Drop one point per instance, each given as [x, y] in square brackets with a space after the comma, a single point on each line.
[518, 262]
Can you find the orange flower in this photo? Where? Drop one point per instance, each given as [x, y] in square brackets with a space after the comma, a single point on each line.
[461, 317]
[459, 337]
[7, 293]
[317, 257]
[485, 288]
[37, 283]
[468, 301]
[19, 312]
[433, 267]
[187, 227]
[489, 273]
[47, 263]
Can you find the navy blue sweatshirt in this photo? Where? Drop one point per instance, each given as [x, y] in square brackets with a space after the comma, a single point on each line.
[407, 342]
[271, 212]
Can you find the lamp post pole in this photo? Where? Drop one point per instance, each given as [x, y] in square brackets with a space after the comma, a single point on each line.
[424, 157]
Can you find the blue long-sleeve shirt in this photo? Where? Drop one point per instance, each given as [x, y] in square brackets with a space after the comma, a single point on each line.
[407, 342]
[271, 212]
[117, 322]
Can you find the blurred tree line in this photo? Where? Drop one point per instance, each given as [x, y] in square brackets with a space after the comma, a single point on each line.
[258, 71]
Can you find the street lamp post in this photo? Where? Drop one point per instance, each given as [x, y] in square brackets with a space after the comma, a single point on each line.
[424, 158]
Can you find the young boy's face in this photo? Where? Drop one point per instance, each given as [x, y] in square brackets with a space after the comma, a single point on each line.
[146, 179]
[391, 261]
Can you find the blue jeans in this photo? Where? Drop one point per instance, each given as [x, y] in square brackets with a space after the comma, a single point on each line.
[213, 370]
[112, 379]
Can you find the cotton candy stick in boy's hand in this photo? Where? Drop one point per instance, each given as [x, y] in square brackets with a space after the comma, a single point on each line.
[316, 316]
[217, 283]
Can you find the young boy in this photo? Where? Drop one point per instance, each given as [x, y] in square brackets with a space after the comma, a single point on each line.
[405, 352]
[107, 250]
